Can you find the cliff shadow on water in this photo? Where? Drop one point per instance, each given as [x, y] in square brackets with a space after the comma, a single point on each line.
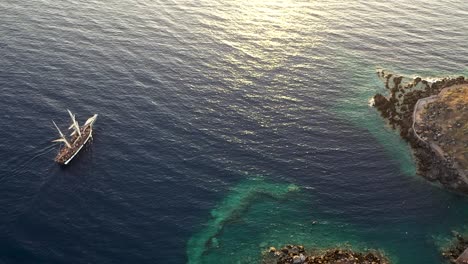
[232, 207]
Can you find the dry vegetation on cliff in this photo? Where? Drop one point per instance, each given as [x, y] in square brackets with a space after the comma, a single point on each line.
[443, 122]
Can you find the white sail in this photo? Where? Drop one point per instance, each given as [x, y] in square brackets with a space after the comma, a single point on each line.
[72, 116]
[74, 133]
[62, 139]
[91, 120]
[74, 124]
[58, 129]
[77, 128]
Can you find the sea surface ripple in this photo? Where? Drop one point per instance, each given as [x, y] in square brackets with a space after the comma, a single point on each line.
[195, 98]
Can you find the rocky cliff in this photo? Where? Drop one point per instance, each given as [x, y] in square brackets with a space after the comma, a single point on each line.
[432, 118]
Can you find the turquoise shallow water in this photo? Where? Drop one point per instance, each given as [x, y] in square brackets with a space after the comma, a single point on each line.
[410, 219]
[224, 127]
[269, 220]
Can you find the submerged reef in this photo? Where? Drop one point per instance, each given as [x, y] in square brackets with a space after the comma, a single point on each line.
[296, 254]
[457, 252]
[432, 116]
[232, 207]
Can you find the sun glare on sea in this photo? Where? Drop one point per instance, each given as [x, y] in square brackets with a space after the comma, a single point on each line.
[268, 31]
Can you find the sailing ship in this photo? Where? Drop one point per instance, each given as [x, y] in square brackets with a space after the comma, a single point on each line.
[78, 138]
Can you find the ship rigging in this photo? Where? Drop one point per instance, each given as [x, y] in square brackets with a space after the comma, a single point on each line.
[78, 138]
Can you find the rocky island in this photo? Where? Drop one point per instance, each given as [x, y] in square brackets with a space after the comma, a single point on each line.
[296, 254]
[433, 118]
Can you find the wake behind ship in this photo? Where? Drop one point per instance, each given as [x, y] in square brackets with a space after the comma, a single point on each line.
[79, 137]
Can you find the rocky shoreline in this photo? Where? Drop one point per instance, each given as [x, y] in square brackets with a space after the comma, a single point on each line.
[296, 254]
[415, 99]
[457, 252]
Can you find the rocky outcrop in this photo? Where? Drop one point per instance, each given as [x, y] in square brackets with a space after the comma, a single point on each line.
[296, 254]
[457, 252]
[400, 109]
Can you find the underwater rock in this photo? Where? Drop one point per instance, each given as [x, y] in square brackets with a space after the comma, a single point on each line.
[433, 118]
[295, 254]
[232, 207]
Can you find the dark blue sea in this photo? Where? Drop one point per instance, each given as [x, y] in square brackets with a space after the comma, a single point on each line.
[224, 127]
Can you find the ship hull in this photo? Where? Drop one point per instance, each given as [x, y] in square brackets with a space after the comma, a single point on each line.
[80, 137]
[66, 154]
[78, 150]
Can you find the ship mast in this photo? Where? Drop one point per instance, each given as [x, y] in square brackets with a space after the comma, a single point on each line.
[74, 125]
[62, 137]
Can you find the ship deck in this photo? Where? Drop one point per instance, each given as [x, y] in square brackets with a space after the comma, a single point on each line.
[66, 154]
